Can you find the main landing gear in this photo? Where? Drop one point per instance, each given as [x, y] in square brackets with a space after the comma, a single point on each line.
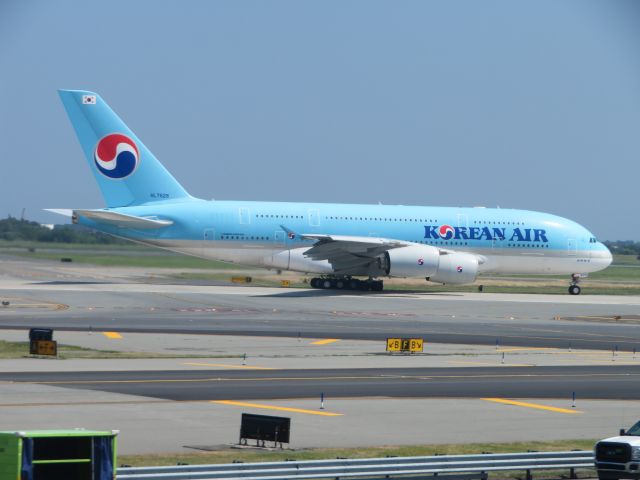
[574, 289]
[347, 283]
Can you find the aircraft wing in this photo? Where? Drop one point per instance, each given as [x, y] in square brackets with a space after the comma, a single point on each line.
[346, 253]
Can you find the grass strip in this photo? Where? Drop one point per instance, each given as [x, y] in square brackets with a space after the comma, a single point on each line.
[161, 260]
[21, 350]
[229, 455]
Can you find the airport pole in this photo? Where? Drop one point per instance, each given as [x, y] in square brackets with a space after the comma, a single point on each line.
[573, 400]
[322, 401]
[244, 359]
[634, 353]
[569, 346]
[502, 357]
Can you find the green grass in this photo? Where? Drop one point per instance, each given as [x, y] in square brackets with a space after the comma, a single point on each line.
[618, 273]
[231, 455]
[25, 245]
[132, 255]
[161, 260]
[626, 260]
[21, 349]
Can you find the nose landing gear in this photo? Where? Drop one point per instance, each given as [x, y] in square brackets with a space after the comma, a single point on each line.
[574, 289]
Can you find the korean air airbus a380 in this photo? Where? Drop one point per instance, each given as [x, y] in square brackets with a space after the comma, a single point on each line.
[336, 242]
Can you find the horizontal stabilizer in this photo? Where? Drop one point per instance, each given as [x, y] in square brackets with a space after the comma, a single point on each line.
[65, 212]
[123, 220]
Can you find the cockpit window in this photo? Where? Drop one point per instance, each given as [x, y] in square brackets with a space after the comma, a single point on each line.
[593, 240]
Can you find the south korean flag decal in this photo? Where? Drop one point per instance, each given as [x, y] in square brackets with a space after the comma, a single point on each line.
[88, 99]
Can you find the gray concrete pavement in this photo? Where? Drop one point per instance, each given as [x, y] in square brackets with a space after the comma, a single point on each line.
[265, 324]
[215, 352]
[152, 426]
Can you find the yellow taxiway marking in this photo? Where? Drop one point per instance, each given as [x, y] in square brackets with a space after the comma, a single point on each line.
[531, 405]
[272, 407]
[112, 335]
[225, 365]
[325, 341]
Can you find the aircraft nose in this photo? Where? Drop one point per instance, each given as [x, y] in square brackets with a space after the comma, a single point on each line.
[602, 255]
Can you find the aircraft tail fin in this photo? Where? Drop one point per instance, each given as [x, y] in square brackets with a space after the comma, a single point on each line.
[126, 171]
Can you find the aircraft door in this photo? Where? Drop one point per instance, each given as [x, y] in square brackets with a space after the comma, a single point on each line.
[572, 247]
[245, 216]
[209, 234]
[314, 218]
[279, 237]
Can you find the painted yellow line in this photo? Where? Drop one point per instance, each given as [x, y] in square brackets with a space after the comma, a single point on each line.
[112, 335]
[531, 405]
[325, 341]
[224, 365]
[272, 407]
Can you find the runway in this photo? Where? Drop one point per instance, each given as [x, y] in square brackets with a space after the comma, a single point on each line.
[588, 382]
[462, 389]
[589, 322]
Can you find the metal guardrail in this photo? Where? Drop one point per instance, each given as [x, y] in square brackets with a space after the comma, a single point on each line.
[418, 467]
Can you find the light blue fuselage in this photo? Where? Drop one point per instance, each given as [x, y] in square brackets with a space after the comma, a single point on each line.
[251, 233]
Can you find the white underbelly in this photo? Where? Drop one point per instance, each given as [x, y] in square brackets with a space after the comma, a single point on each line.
[538, 264]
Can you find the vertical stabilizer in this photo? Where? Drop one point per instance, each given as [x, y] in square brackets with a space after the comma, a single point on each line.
[126, 171]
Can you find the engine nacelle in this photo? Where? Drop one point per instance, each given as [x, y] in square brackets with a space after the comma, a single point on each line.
[411, 261]
[296, 260]
[456, 268]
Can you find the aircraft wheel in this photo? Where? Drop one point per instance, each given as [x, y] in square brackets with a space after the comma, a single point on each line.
[574, 290]
[377, 286]
[326, 284]
[340, 284]
[314, 283]
[354, 284]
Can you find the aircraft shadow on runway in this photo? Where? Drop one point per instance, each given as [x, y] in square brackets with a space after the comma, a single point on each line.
[304, 293]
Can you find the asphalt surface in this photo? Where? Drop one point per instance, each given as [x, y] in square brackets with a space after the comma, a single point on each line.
[588, 382]
[379, 399]
[480, 319]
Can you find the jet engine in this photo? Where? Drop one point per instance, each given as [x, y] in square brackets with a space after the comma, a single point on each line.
[456, 268]
[428, 262]
[411, 261]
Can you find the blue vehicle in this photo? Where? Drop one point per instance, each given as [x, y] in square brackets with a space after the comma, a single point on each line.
[346, 246]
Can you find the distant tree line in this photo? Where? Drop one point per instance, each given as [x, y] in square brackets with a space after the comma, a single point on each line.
[624, 247]
[16, 229]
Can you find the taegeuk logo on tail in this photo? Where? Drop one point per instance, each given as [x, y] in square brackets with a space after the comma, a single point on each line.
[116, 156]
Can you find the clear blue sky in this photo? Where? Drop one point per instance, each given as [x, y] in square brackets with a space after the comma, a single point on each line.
[523, 104]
